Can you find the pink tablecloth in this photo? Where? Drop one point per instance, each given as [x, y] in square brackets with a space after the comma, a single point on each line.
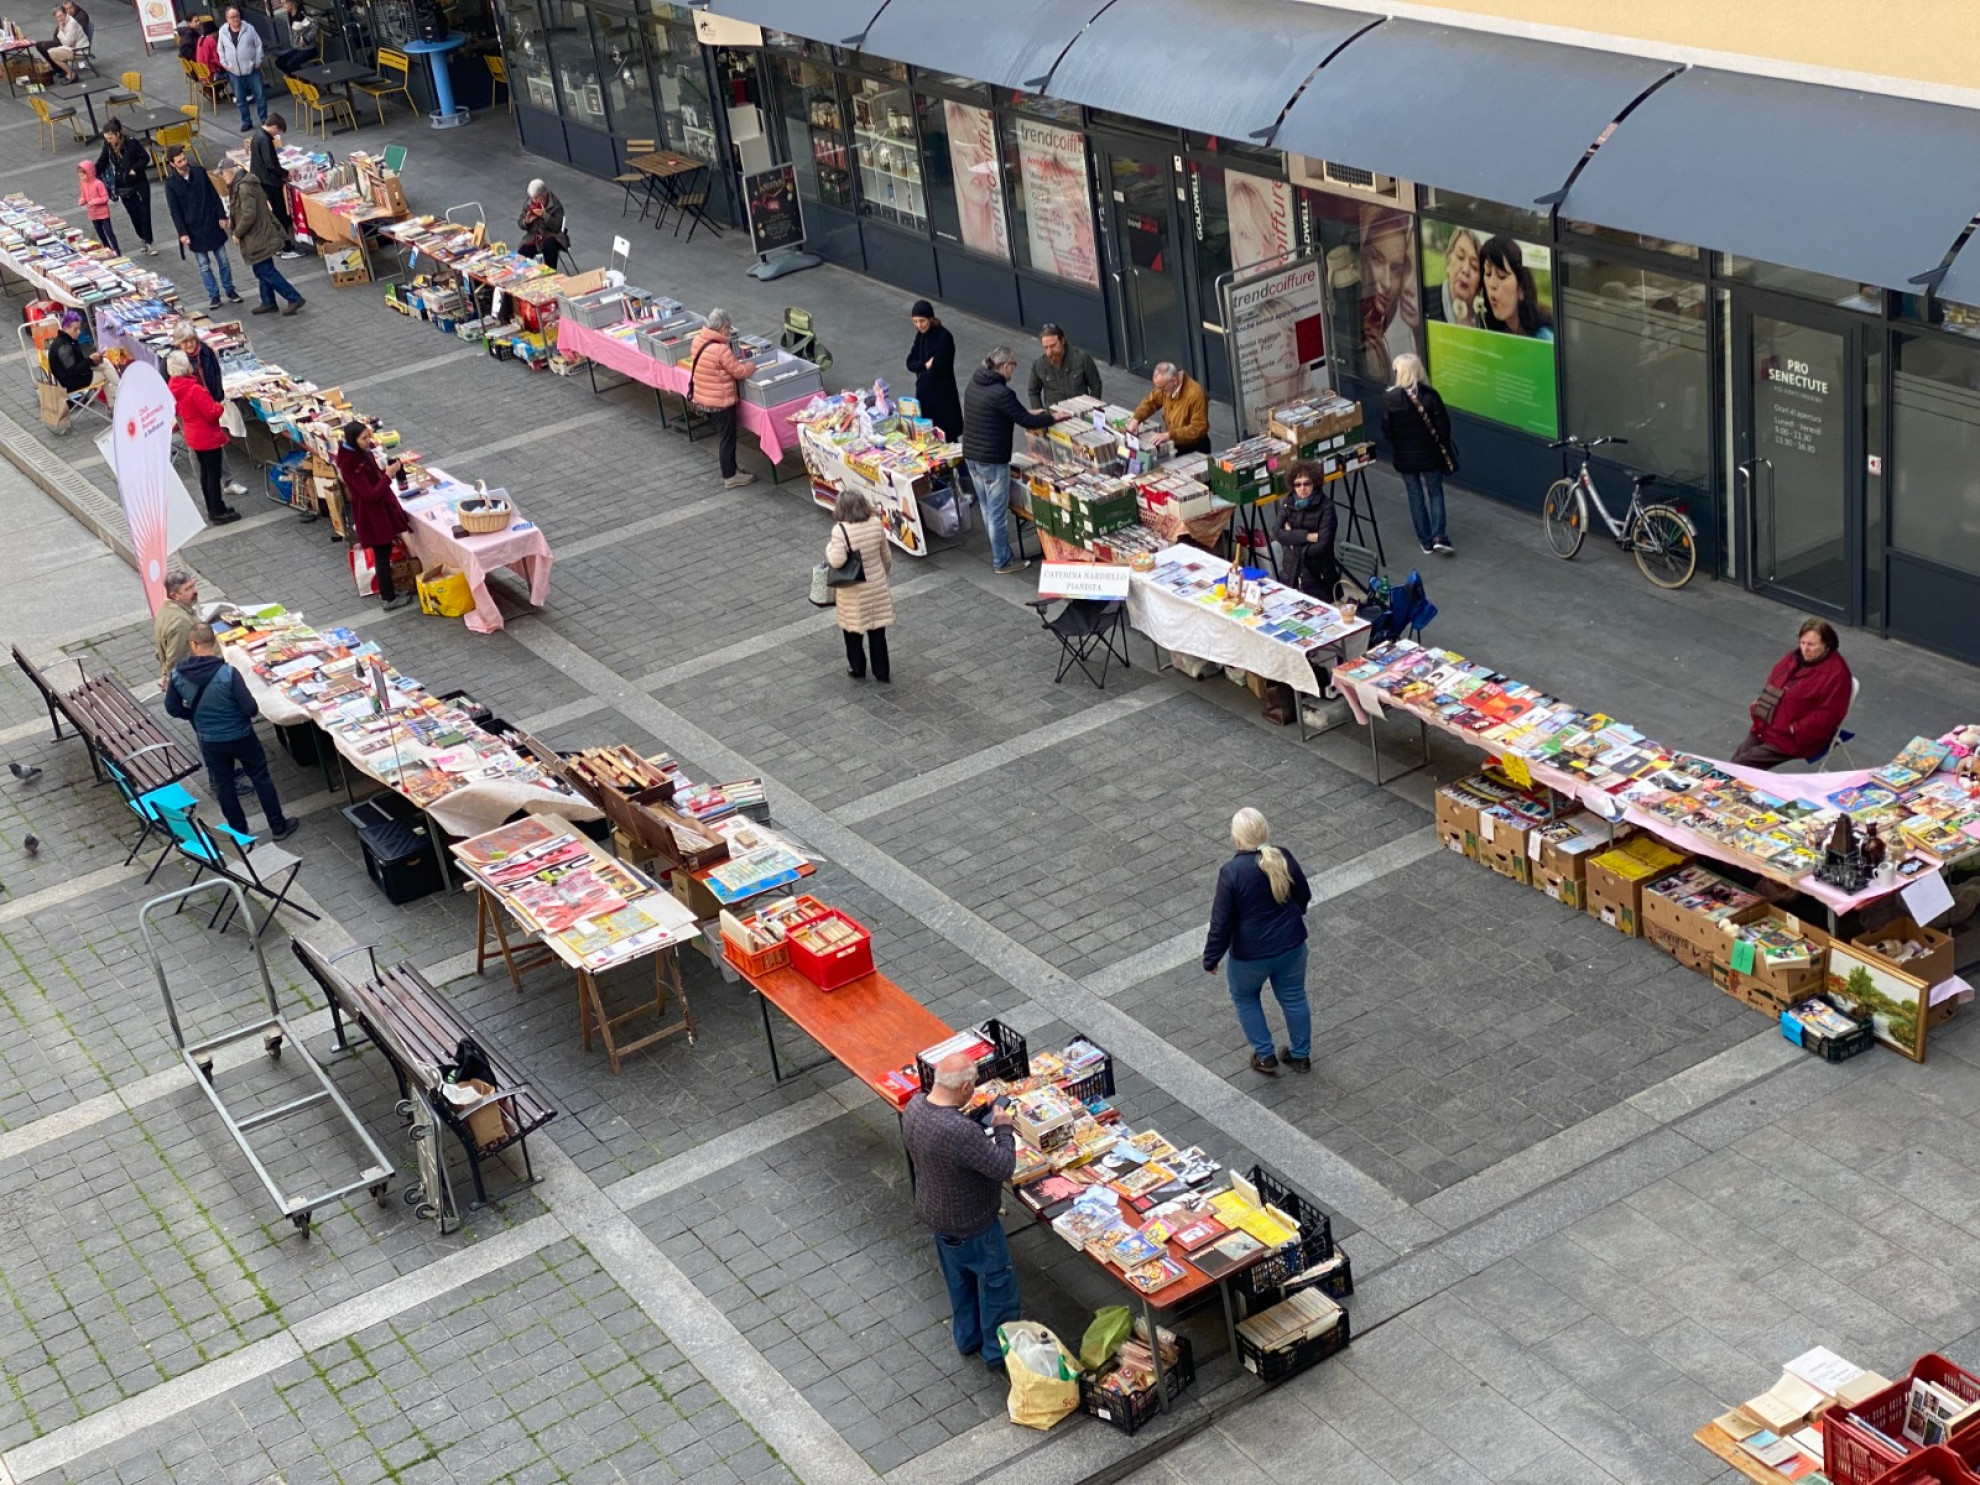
[524, 553]
[771, 425]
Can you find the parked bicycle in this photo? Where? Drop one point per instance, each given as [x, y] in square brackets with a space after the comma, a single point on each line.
[1660, 537]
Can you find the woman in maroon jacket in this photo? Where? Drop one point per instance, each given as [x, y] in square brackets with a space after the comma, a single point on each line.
[377, 518]
[1805, 700]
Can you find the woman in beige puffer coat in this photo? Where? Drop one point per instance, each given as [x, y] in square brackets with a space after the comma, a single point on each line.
[865, 608]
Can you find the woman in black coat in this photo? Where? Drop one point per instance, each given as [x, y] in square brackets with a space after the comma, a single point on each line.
[1418, 428]
[1307, 524]
[932, 359]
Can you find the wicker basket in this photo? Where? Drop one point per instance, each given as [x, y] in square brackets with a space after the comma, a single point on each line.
[483, 518]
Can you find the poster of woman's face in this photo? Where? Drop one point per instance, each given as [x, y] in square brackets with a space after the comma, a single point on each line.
[1488, 281]
[1261, 218]
[1391, 312]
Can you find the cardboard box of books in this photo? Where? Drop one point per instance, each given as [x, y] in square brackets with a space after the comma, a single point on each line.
[1910, 949]
[1688, 910]
[1559, 852]
[1776, 960]
[1457, 819]
[1502, 833]
[1616, 879]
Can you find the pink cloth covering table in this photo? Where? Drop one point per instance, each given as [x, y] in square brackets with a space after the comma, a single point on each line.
[771, 425]
[522, 549]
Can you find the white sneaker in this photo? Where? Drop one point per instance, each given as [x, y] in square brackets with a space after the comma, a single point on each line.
[289, 253]
[234, 487]
[738, 480]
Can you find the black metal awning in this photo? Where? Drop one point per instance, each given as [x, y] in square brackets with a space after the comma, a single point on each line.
[1859, 185]
[837, 22]
[1007, 43]
[1206, 65]
[1500, 117]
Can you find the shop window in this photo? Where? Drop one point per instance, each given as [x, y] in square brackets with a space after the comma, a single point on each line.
[1935, 453]
[1488, 322]
[1051, 224]
[1374, 299]
[687, 113]
[1867, 298]
[815, 130]
[889, 158]
[964, 183]
[1636, 364]
[575, 63]
[1240, 220]
[527, 47]
[1516, 221]
[628, 84]
[1046, 108]
[1634, 239]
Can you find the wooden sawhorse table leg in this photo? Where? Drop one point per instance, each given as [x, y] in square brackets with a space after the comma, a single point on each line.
[591, 1010]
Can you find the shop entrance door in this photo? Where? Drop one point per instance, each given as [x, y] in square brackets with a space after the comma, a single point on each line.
[1139, 199]
[1798, 416]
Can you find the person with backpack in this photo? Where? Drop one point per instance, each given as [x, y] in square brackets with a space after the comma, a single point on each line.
[1418, 428]
[209, 693]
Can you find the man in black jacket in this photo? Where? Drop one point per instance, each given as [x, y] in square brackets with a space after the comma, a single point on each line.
[265, 165]
[1064, 371]
[209, 693]
[199, 216]
[124, 165]
[991, 411]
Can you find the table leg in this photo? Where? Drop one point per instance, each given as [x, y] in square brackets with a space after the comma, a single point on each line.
[672, 955]
[586, 984]
[769, 1036]
[443, 99]
[1155, 1349]
[1230, 1319]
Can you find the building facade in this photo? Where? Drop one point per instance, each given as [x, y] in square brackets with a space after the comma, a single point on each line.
[1758, 277]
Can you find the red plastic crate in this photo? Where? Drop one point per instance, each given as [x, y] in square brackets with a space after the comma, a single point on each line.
[842, 965]
[1937, 1465]
[1850, 1456]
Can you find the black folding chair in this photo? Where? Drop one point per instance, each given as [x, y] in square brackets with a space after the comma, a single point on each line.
[260, 868]
[1087, 629]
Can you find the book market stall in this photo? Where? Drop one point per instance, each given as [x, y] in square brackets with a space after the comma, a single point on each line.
[67, 264]
[1828, 1421]
[899, 460]
[475, 531]
[589, 912]
[388, 727]
[1169, 1226]
[1601, 818]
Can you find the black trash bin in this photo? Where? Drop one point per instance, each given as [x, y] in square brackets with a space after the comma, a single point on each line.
[400, 852]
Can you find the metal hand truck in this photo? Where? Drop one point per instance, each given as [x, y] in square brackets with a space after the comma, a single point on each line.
[274, 1030]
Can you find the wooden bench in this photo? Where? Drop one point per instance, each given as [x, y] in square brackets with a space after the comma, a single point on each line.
[419, 1030]
[113, 724]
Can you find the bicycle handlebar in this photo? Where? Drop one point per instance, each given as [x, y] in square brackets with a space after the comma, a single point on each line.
[1571, 442]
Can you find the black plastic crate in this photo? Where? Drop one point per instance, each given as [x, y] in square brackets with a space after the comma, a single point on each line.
[1316, 1237]
[400, 855]
[1009, 1058]
[1337, 1284]
[1828, 1048]
[1276, 1366]
[1130, 1412]
[1097, 1084]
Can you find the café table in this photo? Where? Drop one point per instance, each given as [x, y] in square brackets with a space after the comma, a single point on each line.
[336, 75]
[671, 179]
[86, 92]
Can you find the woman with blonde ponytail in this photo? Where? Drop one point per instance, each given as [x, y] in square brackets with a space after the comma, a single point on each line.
[1258, 917]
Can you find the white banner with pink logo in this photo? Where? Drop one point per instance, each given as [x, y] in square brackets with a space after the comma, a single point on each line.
[161, 513]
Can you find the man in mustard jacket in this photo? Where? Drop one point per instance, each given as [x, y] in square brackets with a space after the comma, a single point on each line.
[1185, 410]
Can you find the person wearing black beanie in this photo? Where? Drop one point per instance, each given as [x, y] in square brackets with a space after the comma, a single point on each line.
[932, 359]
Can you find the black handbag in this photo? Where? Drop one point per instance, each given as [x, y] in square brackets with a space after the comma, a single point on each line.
[848, 572]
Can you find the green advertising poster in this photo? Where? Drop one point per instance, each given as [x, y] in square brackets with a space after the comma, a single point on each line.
[1500, 377]
[1489, 311]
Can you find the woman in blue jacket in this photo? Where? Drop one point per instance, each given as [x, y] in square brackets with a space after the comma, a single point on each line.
[1259, 918]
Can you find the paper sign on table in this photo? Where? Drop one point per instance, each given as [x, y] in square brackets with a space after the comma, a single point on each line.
[1927, 897]
[1082, 580]
[1514, 767]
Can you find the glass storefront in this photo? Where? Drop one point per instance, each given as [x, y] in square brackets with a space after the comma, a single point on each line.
[1935, 441]
[1637, 364]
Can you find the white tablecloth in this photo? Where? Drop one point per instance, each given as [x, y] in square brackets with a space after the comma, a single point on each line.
[1178, 623]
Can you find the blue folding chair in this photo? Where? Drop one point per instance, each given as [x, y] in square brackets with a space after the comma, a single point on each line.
[149, 807]
[263, 869]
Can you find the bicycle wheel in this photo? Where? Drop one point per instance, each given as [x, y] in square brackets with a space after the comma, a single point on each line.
[1665, 546]
[1560, 514]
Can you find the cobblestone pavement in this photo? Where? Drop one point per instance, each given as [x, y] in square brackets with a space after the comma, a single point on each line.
[1590, 1200]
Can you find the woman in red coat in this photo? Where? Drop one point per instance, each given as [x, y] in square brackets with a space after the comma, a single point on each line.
[199, 417]
[377, 518]
[1805, 700]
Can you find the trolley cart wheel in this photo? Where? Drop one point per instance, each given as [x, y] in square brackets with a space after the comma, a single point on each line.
[414, 1195]
[272, 1045]
[403, 1108]
[383, 1194]
[301, 1219]
[206, 1069]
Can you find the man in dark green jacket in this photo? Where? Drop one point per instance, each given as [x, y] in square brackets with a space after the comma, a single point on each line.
[256, 228]
[1063, 371]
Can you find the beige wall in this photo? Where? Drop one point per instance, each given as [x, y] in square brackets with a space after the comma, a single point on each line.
[1934, 42]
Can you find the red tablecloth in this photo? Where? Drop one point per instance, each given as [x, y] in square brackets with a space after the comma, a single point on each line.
[771, 425]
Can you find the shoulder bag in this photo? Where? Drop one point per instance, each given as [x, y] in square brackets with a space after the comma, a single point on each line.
[694, 362]
[850, 571]
[1450, 464]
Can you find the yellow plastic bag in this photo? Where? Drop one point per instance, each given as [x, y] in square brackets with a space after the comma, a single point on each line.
[444, 591]
[1044, 1376]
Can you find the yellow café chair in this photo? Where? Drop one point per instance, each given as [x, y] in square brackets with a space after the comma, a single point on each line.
[131, 92]
[391, 65]
[498, 75]
[46, 118]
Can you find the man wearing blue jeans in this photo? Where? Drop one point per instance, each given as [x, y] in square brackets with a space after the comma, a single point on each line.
[199, 217]
[991, 412]
[240, 54]
[960, 1166]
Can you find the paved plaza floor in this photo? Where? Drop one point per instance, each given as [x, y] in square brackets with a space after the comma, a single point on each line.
[1591, 1201]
